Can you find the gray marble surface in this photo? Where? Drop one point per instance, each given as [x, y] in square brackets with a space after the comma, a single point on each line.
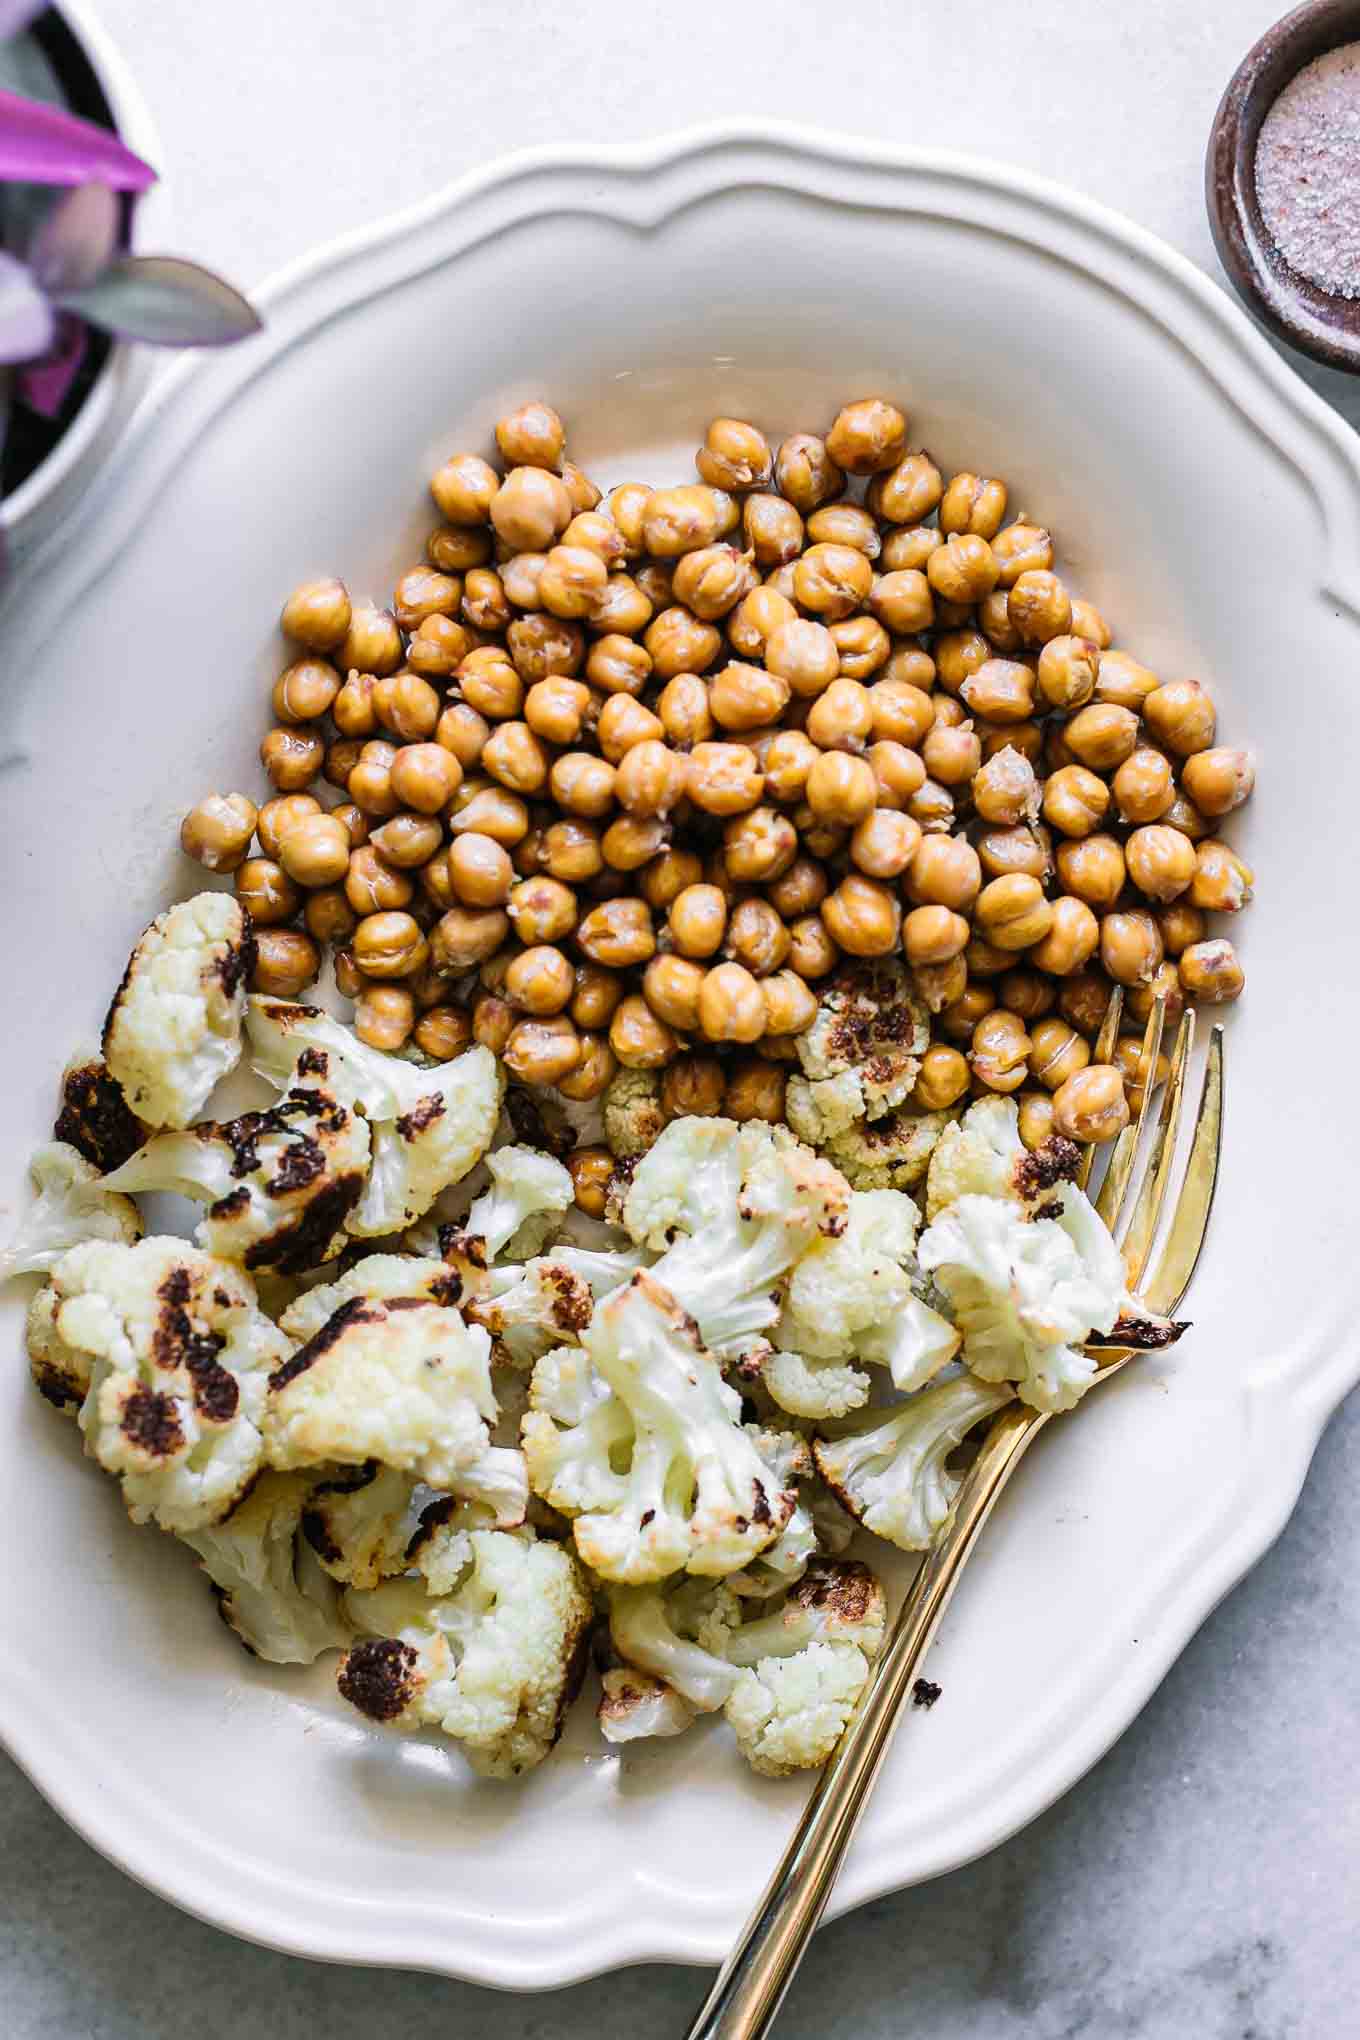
[1203, 1882]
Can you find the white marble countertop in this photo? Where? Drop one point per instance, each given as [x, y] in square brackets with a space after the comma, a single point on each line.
[1205, 1879]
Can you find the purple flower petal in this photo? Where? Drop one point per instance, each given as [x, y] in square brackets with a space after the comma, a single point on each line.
[166, 301]
[44, 385]
[27, 320]
[16, 14]
[44, 145]
[76, 240]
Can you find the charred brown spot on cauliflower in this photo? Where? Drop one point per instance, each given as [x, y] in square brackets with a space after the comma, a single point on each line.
[1054, 1161]
[150, 1422]
[238, 961]
[1146, 1335]
[846, 1590]
[422, 1115]
[95, 1118]
[358, 1311]
[378, 1677]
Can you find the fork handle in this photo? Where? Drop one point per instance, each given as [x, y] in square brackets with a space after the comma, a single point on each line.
[751, 1984]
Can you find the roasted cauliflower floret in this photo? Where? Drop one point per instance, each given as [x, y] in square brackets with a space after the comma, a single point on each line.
[786, 1680]
[531, 1305]
[270, 1590]
[852, 1297]
[637, 1437]
[1027, 1292]
[888, 1467]
[870, 1028]
[807, 1385]
[60, 1373]
[494, 1661]
[635, 1707]
[891, 1153]
[179, 1356]
[71, 1205]
[359, 1522]
[738, 1205]
[633, 1115]
[982, 1155]
[279, 1185]
[428, 1127]
[405, 1382]
[174, 1028]
[94, 1117]
[379, 1276]
[528, 1194]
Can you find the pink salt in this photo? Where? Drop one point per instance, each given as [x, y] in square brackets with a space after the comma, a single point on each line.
[1308, 172]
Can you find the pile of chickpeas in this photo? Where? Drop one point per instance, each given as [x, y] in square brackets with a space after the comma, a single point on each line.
[622, 779]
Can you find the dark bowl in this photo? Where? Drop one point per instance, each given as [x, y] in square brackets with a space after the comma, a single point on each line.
[1306, 316]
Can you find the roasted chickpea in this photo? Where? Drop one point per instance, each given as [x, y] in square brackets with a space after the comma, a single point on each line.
[1130, 1059]
[933, 935]
[1161, 862]
[217, 833]
[389, 945]
[372, 644]
[489, 811]
[805, 472]
[907, 548]
[585, 497]
[532, 436]
[1005, 790]
[465, 488]
[1091, 1105]
[678, 521]
[423, 591]
[480, 870]
[1211, 971]
[624, 609]
[407, 707]
[384, 1015]
[626, 505]
[590, 1169]
[531, 509]
[1102, 735]
[1026, 737]
[1001, 690]
[266, 892]
[542, 1051]
[884, 843]
[1071, 941]
[571, 582]
[593, 531]
[540, 645]
[292, 757]
[999, 1051]
[812, 952]
[755, 1090]
[790, 1008]
[556, 709]
[1057, 1052]
[960, 1015]
[932, 805]
[425, 777]
[1012, 912]
[650, 779]
[945, 872]
[1123, 681]
[962, 570]
[1222, 882]
[984, 959]
[1067, 672]
[617, 933]
[317, 615]
[493, 1019]
[352, 710]
[671, 986]
[489, 684]
[799, 889]
[633, 841]
[304, 691]
[539, 979]
[666, 877]
[1075, 801]
[372, 885]
[465, 936]
[862, 916]
[1039, 607]
[593, 1072]
[1026, 992]
[596, 995]
[908, 492]
[1181, 716]
[329, 915]
[1140, 999]
[759, 845]
[1092, 869]
[942, 1079]
[789, 758]
[952, 753]
[731, 1007]
[442, 1032]
[862, 645]
[1130, 946]
[734, 456]
[439, 647]
[832, 581]
[1181, 924]
[1083, 999]
[356, 823]
[1219, 780]
[678, 642]
[867, 437]
[315, 850]
[1024, 848]
[745, 697]
[974, 504]
[515, 757]
[772, 528]
[723, 779]
[712, 581]
[698, 920]
[899, 774]
[1185, 816]
[286, 961]
[840, 789]
[756, 937]
[1036, 1118]
[1144, 785]
[803, 656]
[544, 910]
[454, 548]
[1020, 549]
[842, 717]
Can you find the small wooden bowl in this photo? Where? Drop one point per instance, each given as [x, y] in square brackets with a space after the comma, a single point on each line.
[1302, 313]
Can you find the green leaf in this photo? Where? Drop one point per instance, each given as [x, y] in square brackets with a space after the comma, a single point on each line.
[165, 301]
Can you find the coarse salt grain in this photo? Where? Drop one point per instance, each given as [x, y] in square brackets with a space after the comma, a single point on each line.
[1308, 172]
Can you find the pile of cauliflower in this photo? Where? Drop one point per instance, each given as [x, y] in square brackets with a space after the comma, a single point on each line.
[404, 1404]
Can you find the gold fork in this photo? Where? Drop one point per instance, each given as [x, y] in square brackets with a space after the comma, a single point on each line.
[751, 1984]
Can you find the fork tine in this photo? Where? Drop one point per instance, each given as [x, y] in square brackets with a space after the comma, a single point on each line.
[1101, 1053]
[1151, 1196]
[1170, 1277]
[1115, 1187]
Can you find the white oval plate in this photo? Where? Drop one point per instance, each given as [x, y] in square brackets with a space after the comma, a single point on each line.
[1202, 497]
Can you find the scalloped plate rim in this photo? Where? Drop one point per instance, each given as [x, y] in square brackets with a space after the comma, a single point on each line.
[1301, 1389]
